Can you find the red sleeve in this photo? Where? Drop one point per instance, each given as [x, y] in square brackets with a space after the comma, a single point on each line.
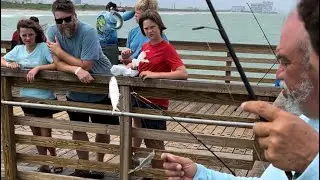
[15, 37]
[172, 58]
[143, 47]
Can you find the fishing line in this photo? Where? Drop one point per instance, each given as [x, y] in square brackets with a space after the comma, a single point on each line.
[148, 103]
[265, 36]
[166, 114]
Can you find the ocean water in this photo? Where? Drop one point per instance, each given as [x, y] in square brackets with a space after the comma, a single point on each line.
[240, 27]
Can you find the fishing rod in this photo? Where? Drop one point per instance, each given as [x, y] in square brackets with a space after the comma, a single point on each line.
[231, 51]
[265, 36]
[288, 173]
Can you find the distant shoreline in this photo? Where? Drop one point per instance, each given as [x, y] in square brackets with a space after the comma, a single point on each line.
[82, 7]
[86, 7]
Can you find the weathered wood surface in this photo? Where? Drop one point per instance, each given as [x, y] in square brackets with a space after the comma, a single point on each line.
[8, 131]
[125, 133]
[191, 110]
[196, 46]
[143, 152]
[101, 81]
[136, 132]
[207, 71]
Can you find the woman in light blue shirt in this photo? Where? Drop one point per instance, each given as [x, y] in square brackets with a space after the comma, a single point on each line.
[35, 55]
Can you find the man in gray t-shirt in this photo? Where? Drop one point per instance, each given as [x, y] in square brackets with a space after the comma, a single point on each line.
[77, 50]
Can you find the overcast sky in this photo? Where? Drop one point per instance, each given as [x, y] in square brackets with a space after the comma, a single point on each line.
[279, 5]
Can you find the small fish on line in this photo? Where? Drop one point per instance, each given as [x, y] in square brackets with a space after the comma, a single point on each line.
[145, 162]
[114, 93]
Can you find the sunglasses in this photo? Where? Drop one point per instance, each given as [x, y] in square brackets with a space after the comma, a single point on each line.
[66, 20]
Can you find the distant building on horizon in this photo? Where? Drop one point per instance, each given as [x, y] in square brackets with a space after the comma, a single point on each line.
[264, 7]
[238, 8]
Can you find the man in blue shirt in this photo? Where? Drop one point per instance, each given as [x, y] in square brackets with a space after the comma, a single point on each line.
[76, 49]
[290, 143]
[107, 30]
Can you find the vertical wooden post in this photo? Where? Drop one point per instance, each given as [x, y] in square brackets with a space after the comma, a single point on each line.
[8, 134]
[125, 134]
[228, 65]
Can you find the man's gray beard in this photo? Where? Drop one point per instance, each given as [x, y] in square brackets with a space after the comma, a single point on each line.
[296, 99]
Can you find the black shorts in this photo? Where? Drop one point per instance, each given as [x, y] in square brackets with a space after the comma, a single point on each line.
[148, 123]
[39, 112]
[95, 118]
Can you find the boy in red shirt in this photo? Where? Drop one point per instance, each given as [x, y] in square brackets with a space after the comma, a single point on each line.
[164, 63]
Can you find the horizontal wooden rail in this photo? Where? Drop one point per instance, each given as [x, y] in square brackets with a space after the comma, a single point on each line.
[32, 175]
[232, 78]
[198, 46]
[84, 165]
[234, 161]
[223, 59]
[225, 68]
[134, 110]
[217, 47]
[101, 81]
[136, 132]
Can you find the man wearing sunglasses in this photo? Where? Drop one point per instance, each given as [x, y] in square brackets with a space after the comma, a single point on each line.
[76, 49]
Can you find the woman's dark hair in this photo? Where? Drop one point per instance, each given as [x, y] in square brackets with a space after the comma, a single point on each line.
[112, 6]
[27, 23]
[153, 16]
[63, 6]
[35, 19]
[309, 13]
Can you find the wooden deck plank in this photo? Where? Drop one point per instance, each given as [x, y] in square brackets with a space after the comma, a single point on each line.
[199, 129]
[237, 112]
[181, 106]
[204, 109]
[253, 116]
[244, 114]
[218, 131]
[192, 107]
[216, 148]
[228, 131]
[197, 107]
[213, 109]
[238, 132]
[190, 127]
[247, 134]
[221, 110]
[239, 151]
[171, 126]
[209, 129]
[179, 128]
[173, 105]
[229, 110]
[193, 146]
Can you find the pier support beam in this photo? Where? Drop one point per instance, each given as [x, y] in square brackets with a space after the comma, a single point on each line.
[125, 133]
[8, 134]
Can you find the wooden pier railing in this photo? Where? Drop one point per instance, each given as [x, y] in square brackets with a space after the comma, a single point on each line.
[189, 90]
[203, 62]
